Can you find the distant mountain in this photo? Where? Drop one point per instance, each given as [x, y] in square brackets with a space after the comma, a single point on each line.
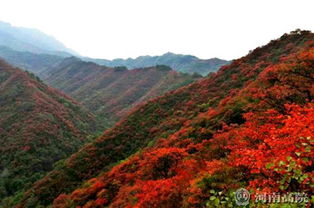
[250, 125]
[111, 92]
[38, 126]
[34, 41]
[97, 86]
[36, 63]
[183, 63]
[31, 40]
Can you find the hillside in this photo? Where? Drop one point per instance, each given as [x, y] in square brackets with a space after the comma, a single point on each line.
[38, 126]
[31, 40]
[36, 63]
[182, 63]
[248, 125]
[111, 92]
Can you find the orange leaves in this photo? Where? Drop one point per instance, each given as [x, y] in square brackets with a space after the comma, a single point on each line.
[159, 192]
[272, 143]
[291, 80]
[152, 178]
[201, 142]
[213, 166]
[93, 186]
[101, 201]
[167, 192]
[161, 163]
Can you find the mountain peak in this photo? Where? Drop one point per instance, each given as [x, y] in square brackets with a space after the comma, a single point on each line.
[31, 40]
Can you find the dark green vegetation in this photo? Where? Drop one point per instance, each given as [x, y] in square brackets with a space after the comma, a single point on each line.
[111, 92]
[38, 126]
[180, 150]
[183, 63]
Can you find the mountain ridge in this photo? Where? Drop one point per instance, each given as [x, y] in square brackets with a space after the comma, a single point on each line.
[183, 63]
[31, 40]
[110, 92]
[35, 63]
[174, 151]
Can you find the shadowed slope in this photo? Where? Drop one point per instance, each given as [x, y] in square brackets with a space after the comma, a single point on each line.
[38, 126]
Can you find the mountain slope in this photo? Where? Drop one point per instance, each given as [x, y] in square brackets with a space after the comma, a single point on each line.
[31, 40]
[38, 126]
[36, 63]
[181, 140]
[182, 63]
[111, 92]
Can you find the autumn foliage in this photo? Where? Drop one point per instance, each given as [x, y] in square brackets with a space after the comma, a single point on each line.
[249, 125]
[38, 126]
[111, 92]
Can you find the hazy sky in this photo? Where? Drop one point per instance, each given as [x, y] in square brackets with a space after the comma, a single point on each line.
[129, 28]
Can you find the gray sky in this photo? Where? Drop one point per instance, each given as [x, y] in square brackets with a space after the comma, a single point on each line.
[129, 28]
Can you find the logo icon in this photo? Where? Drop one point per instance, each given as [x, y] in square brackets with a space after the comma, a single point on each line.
[242, 197]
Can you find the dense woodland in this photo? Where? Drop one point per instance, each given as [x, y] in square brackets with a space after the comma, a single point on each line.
[249, 125]
[38, 126]
[110, 92]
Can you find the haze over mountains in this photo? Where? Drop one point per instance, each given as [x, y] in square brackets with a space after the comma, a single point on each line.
[169, 137]
[105, 87]
[15, 42]
[182, 63]
[202, 141]
[35, 63]
[31, 40]
[107, 92]
[39, 125]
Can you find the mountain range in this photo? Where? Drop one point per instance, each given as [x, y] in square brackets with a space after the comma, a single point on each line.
[151, 131]
[183, 63]
[111, 92]
[248, 125]
[40, 125]
[33, 50]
